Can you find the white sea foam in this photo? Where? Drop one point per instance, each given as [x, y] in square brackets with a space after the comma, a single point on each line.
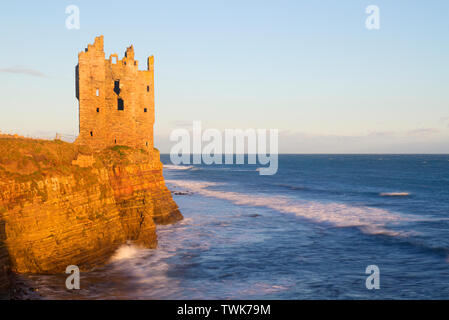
[125, 252]
[175, 167]
[369, 220]
[394, 194]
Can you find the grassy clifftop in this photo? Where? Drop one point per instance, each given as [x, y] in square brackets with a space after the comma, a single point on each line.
[24, 159]
[21, 157]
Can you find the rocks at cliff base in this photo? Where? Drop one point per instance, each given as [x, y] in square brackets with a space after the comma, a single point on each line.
[181, 193]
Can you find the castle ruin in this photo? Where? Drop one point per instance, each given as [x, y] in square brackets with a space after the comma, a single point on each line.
[116, 99]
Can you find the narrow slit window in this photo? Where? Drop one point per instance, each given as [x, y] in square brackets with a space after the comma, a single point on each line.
[117, 86]
[115, 141]
[120, 105]
[144, 109]
[91, 133]
[97, 92]
[148, 88]
[98, 109]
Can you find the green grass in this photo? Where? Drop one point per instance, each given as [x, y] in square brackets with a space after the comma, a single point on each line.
[25, 159]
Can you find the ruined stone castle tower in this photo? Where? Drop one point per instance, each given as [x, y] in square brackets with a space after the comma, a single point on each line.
[116, 99]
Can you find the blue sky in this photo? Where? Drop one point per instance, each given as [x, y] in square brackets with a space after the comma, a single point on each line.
[308, 68]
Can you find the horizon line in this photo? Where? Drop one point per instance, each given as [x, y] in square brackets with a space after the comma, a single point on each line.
[403, 153]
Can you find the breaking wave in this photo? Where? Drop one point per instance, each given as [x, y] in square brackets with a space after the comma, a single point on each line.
[176, 167]
[368, 220]
[126, 252]
[394, 194]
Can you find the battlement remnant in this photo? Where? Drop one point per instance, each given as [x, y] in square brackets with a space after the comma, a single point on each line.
[116, 99]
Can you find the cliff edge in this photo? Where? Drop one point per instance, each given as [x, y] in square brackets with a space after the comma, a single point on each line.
[61, 204]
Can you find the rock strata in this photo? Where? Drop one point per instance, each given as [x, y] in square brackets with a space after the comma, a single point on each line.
[61, 204]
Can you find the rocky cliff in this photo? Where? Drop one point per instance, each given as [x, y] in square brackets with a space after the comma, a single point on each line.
[61, 204]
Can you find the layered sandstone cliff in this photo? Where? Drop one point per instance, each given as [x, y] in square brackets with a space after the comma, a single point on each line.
[61, 204]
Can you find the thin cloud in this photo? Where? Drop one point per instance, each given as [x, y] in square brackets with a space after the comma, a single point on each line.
[23, 70]
[381, 134]
[424, 131]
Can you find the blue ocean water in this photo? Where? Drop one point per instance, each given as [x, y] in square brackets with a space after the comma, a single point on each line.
[307, 232]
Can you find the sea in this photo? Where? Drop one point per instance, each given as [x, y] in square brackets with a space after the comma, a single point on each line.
[311, 231]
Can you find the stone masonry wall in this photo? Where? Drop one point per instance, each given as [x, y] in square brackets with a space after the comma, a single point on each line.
[100, 85]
